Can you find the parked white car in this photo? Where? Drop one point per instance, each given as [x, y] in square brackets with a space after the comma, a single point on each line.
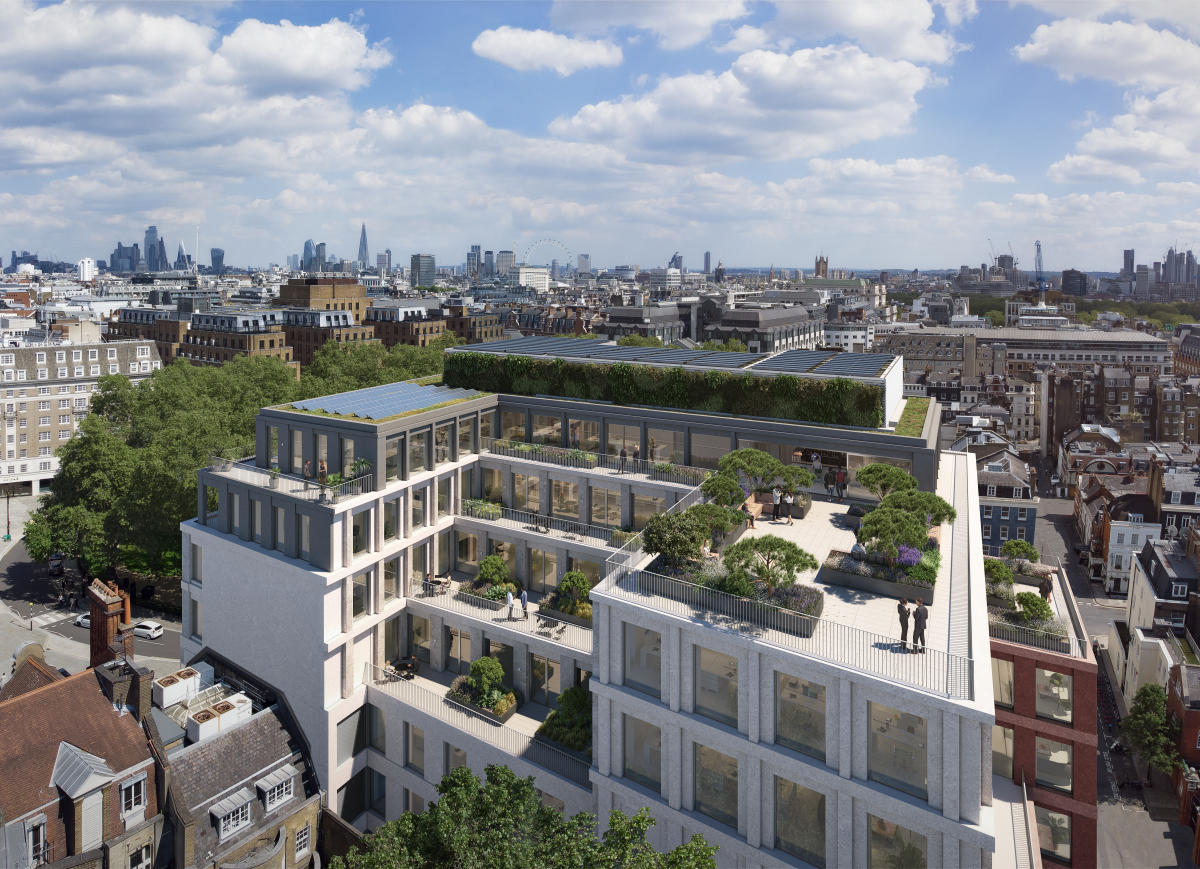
[148, 630]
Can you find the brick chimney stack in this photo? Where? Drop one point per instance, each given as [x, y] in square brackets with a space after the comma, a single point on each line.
[110, 610]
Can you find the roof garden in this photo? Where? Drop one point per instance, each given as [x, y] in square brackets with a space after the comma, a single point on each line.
[382, 403]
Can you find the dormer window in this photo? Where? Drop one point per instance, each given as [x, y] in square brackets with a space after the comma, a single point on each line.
[277, 787]
[1179, 589]
[232, 813]
[133, 795]
[1135, 517]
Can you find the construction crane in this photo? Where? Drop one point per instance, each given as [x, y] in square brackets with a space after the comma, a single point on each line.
[993, 252]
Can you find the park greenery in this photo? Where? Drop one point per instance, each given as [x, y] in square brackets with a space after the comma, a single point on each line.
[501, 822]
[837, 401]
[1160, 315]
[639, 341]
[127, 479]
[1150, 731]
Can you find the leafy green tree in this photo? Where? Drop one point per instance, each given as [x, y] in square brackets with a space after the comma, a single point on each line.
[574, 588]
[1034, 610]
[716, 519]
[881, 478]
[1019, 550]
[639, 341]
[997, 571]
[724, 489]
[677, 537]
[730, 345]
[926, 504]
[493, 570]
[502, 823]
[884, 529]
[762, 470]
[774, 561]
[1152, 733]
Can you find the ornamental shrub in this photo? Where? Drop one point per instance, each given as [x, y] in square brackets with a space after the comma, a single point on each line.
[493, 570]
[1034, 610]
[997, 571]
[487, 674]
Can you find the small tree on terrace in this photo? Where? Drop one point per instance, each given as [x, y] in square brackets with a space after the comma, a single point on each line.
[886, 528]
[715, 518]
[933, 509]
[881, 478]
[775, 561]
[1152, 733]
[1019, 550]
[724, 489]
[677, 537]
[762, 470]
[574, 588]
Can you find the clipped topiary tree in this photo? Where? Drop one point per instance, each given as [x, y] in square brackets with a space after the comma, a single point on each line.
[885, 529]
[934, 509]
[486, 673]
[493, 570]
[677, 537]
[762, 470]
[723, 489]
[1020, 551]
[773, 560]
[715, 518]
[997, 571]
[881, 478]
[1034, 610]
[574, 589]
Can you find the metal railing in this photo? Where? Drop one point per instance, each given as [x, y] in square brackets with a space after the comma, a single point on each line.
[473, 723]
[304, 488]
[539, 623]
[935, 671]
[1064, 644]
[587, 460]
[538, 523]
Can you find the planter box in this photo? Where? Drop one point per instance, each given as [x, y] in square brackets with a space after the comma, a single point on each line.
[487, 713]
[800, 508]
[566, 617]
[1000, 602]
[875, 585]
[740, 609]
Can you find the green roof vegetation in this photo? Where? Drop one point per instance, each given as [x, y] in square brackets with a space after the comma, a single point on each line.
[912, 419]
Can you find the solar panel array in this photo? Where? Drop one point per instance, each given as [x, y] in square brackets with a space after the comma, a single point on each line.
[827, 363]
[576, 348]
[380, 402]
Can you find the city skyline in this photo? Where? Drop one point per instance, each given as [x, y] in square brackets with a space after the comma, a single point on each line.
[905, 139]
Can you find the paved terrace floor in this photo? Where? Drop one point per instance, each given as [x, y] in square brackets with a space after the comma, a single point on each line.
[824, 529]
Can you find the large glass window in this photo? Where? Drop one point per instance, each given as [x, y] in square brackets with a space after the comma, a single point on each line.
[606, 507]
[455, 757]
[525, 493]
[418, 636]
[466, 436]
[443, 497]
[391, 519]
[544, 683]
[507, 552]
[361, 594]
[543, 570]
[664, 445]
[493, 485]
[645, 506]
[897, 753]
[487, 420]
[391, 579]
[361, 530]
[716, 686]
[707, 450]
[420, 563]
[800, 715]
[503, 653]
[297, 451]
[1053, 763]
[391, 639]
[1002, 751]
[417, 499]
[441, 444]
[512, 425]
[415, 754]
[458, 650]
[565, 502]
[1054, 833]
[418, 452]
[593, 570]
[584, 434]
[890, 846]
[643, 660]
[627, 437]
[391, 457]
[643, 753]
[304, 521]
[468, 553]
[800, 821]
[715, 777]
[363, 728]
[1053, 695]
[547, 429]
[1002, 682]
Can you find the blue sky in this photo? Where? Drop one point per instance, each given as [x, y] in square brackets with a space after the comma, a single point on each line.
[897, 135]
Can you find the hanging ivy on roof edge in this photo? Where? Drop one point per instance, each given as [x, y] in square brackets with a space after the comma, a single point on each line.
[837, 401]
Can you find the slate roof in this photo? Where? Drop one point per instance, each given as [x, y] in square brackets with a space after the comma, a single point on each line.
[73, 710]
[29, 676]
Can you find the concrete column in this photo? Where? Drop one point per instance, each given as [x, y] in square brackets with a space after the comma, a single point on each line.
[942, 759]
[602, 714]
[520, 675]
[750, 801]
[375, 579]
[347, 670]
[855, 731]
[675, 673]
[851, 843]
[347, 605]
[585, 501]
[335, 560]
[562, 562]
[437, 642]
[377, 645]
[685, 756]
[615, 738]
[376, 544]
[674, 772]
[347, 539]
[626, 497]
[749, 691]
[602, 629]
[291, 530]
[477, 644]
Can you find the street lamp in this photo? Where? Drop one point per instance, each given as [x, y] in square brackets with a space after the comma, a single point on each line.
[8, 493]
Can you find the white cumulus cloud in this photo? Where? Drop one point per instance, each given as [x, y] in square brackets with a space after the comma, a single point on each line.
[892, 29]
[677, 23]
[1084, 168]
[1121, 52]
[527, 50]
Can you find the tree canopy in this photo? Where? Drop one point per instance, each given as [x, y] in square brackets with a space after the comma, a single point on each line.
[1019, 550]
[774, 561]
[677, 537]
[501, 823]
[1151, 731]
[884, 529]
[762, 470]
[930, 507]
[881, 478]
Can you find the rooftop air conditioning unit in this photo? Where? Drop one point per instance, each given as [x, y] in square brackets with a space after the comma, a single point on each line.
[203, 724]
[168, 691]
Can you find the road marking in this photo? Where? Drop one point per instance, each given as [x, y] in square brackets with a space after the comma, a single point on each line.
[46, 619]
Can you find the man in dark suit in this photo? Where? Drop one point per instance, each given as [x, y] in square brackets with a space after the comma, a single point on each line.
[920, 617]
[902, 610]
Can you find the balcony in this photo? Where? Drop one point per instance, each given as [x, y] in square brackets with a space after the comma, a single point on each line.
[455, 596]
[516, 738]
[596, 462]
[306, 489]
[1067, 636]
[537, 523]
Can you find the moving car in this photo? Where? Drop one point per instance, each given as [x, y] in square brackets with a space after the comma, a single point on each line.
[148, 630]
[1054, 480]
[83, 620]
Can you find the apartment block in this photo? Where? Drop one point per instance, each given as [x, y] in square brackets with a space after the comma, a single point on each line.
[306, 331]
[220, 336]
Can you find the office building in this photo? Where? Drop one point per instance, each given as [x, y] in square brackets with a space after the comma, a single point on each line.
[383, 263]
[310, 252]
[318, 261]
[489, 264]
[504, 263]
[777, 736]
[150, 248]
[216, 257]
[423, 270]
[583, 263]
[535, 278]
[166, 327]
[395, 325]
[325, 294]
[85, 269]
[364, 255]
[1128, 268]
[474, 261]
[1074, 282]
[708, 262]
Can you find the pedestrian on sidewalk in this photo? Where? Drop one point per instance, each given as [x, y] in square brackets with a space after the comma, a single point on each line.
[508, 598]
[920, 617]
[525, 603]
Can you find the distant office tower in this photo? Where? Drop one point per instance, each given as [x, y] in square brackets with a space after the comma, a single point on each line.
[676, 261]
[583, 263]
[821, 267]
[364, 258]
[489, 264]
[383, 262]
[708, 262]
[306, 259]
[1189, 271]
[1129, 270]
[217, 258]
[1158, 271]
[163, 262]
[473, 260]
[504, 262]
[554, 269]
[125, 258]
[151, 249]
[1142, 276]
[182, 260]
[293, 261]
[423, 270]
[1074, 282]
[85, 269]
[318, 261]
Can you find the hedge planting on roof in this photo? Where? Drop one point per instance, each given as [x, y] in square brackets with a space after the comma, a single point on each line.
[837, 401]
